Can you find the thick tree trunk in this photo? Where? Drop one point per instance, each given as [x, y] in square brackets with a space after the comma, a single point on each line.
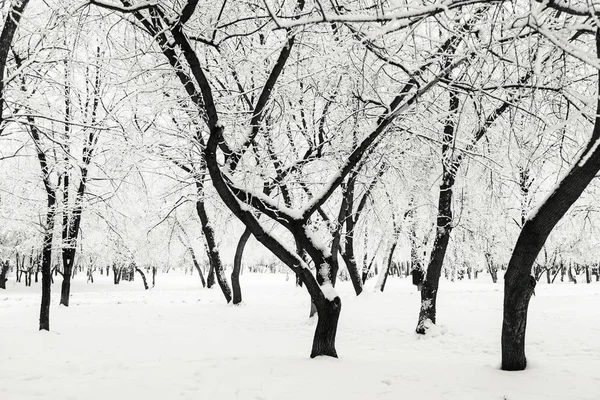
[518, 289]
[237, 266]
[328, 314]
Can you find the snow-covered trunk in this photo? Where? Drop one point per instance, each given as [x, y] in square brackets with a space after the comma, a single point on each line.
[429, 289]
[237, 266]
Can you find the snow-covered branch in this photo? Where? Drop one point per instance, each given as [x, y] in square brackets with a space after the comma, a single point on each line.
[360, 17]
[125, 9]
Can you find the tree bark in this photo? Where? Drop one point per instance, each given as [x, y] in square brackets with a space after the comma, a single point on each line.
[212, 250]
[450, 165]
[328, 314]
[237, 266]
[389, 265]
[116, 274]
[3, 271]
[440, 245]
[65, 289]
[47, 264]
[210, 275]
[197, 266]
[139, 271]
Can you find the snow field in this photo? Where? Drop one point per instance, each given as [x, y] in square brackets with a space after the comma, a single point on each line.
[179, 341]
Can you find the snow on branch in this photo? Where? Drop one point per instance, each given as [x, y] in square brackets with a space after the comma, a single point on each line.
[125, 9]
[566, 47]
[415, 12]
[571, 9]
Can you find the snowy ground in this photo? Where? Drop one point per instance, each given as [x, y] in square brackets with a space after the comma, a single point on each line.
[178, 341]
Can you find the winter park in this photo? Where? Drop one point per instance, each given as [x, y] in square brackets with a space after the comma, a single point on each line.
[292, 199]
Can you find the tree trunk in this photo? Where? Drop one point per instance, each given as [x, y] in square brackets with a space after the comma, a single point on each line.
[387, 269]
[328, 315]
[3, 271]
[237, 266]
[572, 277]
[210, 276]
[212, 250]
[427, 313]
[65, 292]
[198, 268]
[47, 265]
[154, 276]
[116, 274]
[139, 271]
